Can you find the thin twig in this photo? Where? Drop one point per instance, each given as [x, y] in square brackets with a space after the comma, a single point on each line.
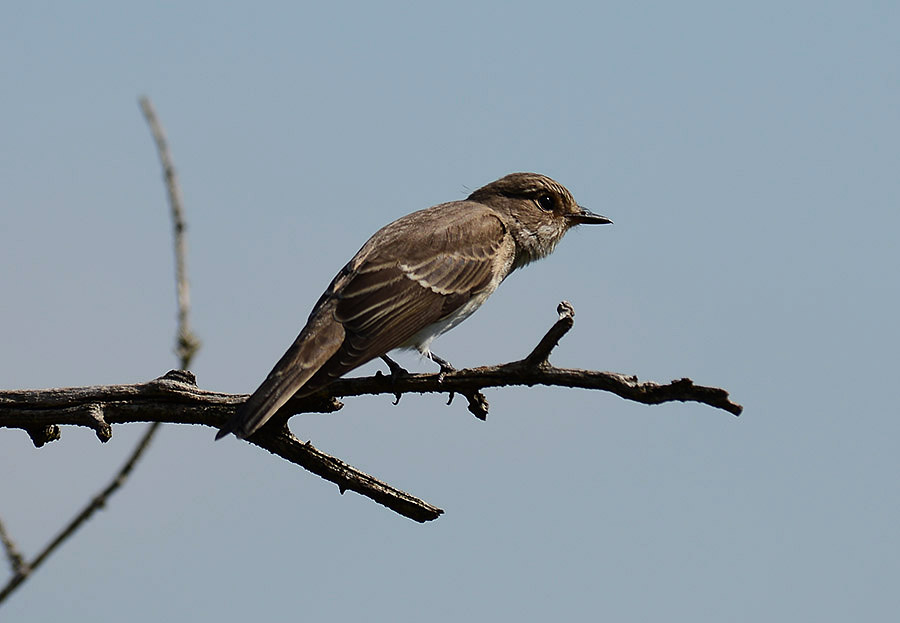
[346, 477]
[98, 502]
[186, 345]
[541, 353]
[16, 561]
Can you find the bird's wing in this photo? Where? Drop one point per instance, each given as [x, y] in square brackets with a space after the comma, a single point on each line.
[410, 281]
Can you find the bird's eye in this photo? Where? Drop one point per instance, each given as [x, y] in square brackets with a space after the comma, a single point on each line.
[545, 202]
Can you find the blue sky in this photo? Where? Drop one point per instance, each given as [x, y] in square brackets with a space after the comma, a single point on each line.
[748, 155]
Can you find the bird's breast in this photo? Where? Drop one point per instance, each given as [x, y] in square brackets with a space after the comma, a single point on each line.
[421, 341]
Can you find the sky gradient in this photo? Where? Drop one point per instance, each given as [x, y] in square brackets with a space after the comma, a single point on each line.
[749, 157]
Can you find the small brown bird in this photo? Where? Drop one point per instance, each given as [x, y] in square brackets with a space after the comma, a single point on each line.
[413, 280]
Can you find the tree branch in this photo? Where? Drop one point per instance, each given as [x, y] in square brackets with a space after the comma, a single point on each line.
[99, 501]
[186, 346]
[535, 369]
[176, 399]
[16, 560]
[187, 343]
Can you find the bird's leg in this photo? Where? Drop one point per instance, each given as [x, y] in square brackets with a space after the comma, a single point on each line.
[397, 371]
[445, 368]
[478, 404]
[443, 363]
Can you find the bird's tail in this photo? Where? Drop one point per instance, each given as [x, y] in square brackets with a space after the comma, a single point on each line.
[315, 345]
[276, 390]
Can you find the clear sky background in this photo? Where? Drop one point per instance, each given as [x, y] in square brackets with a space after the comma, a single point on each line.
[749, 155]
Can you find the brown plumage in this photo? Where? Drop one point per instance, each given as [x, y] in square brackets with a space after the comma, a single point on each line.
[415, 279]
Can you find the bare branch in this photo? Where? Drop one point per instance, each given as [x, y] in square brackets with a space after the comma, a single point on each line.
[16, 561]
[535, 369]
[98, 502]
[187, 343]
[285, 445]
[541, 354]
[524, 373]
[172, 399]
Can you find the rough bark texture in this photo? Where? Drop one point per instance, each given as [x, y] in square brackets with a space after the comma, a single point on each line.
[175, 398]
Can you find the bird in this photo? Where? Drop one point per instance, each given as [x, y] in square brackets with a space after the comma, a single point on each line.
[414, 279]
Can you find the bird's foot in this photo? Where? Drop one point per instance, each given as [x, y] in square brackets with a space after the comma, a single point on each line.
[397, 372]
[445, 365]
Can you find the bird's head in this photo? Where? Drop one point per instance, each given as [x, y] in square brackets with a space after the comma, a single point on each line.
[537, 210]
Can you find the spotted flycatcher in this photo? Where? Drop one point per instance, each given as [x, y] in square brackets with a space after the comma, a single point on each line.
[413, 280]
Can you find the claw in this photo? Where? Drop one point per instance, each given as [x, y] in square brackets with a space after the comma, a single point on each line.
[397, 372]
[445, 365]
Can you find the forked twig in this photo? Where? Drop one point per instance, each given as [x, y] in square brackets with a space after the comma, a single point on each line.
[186, 346]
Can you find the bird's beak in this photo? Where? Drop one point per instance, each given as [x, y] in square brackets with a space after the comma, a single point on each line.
[586, 217]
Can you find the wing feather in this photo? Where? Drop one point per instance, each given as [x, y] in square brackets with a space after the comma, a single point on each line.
[403, 285]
